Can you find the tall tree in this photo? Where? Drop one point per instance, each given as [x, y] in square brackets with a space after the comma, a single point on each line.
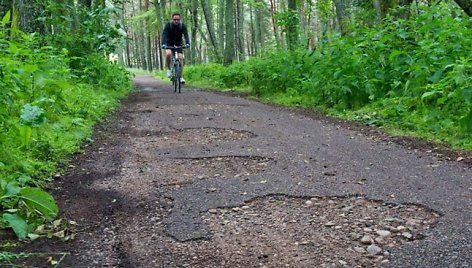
[147, 37]
[193, 33]
[240, 29]
[27, 14]
[341, 15]
[210, 28]
[292, 24]
[229, 33]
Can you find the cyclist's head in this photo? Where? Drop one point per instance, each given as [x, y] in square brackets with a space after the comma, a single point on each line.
[176, 18]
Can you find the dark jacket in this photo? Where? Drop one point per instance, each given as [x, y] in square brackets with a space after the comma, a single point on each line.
[172, 34]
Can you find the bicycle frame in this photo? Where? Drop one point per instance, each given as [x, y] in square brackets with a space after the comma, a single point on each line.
[176, 68]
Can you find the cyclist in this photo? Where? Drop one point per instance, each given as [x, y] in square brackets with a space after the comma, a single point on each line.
[172, 36]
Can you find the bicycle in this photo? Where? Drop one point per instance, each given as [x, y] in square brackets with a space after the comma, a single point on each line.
[176, 67]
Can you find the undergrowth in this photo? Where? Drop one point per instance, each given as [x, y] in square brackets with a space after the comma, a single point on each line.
[410, 76]
[49, 101]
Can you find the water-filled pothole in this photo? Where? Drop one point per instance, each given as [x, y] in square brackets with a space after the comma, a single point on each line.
[186, 170]
[190, 136]
[278, 231]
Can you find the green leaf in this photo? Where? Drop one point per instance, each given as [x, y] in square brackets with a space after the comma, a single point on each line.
[437, 75]
[30, 68]
[32, 115]
[19, 225]
[6, 18]
[12, 188]
[25, 135]
[467, 95]
[38, 199]
[430, 94]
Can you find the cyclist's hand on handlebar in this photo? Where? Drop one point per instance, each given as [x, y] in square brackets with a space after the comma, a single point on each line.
[163, 46]
[187, 45]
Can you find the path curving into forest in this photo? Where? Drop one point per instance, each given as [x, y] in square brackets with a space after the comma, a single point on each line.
[201, 179]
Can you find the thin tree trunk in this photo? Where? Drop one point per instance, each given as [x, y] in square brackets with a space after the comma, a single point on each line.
[221, 24]
[253, 36]
[193, 37]
[125, 28]
[341, 15]
[229, 37]
[273, 12]
[258, 29]
[160, 11]
[378, 9]
[211, 32]
[292, 26]
[240, 29]
[147, 37]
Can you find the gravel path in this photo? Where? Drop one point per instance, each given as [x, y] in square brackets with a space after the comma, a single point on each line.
[200, 179]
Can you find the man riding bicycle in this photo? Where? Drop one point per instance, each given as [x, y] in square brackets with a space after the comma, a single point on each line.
[172, 36]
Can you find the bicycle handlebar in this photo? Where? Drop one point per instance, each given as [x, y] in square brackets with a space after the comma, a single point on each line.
[175, 47]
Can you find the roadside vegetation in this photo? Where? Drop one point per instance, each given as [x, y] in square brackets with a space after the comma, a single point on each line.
[409, 76]
[53, 89]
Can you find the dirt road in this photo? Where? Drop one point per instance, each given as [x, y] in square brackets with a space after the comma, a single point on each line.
[209, 180]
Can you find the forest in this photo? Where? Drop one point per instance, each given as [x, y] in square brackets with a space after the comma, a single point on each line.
[401, 65]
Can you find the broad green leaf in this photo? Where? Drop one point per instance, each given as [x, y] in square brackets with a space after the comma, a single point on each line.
[12, 188]
[38, 199]
[6, 18]
[24, 179]
[25, 134]
[437, 75]
[32, 115]
[19, 225]
[467, 94]
[30, 68]
[429, 94]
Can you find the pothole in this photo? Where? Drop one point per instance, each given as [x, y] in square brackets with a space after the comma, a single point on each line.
[191, 136]
[281, 231]
[186, 170]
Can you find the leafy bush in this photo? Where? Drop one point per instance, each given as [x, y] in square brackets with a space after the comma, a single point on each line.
[412, 74]
[46, 112]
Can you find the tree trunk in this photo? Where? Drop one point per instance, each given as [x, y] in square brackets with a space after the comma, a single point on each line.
[240, 29]
[253, 46]
[292, 25]
[378, 9]
[147, 37]
[466, 5]
[211, 32]
[27, 14]
[160, 11]
[273, 12]
[221, 24]
[341, 15]
[229, 37]
[193, 37]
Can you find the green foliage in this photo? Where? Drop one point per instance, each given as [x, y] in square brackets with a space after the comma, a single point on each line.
[413, 74]
[47, 109]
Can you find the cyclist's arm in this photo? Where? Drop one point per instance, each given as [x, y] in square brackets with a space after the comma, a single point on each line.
[185, 32]
[165, 35]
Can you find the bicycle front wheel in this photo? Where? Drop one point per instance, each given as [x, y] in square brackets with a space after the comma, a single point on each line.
[178, 81]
